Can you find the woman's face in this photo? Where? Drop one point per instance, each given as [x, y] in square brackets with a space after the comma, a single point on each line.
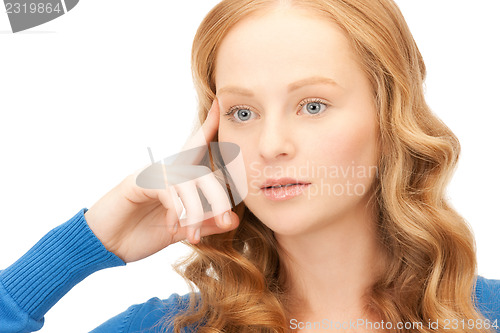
[301, 107]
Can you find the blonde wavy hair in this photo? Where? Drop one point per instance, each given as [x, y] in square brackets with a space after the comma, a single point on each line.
[431, 271]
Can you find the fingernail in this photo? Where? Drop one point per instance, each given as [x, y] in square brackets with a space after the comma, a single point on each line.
[175, 228]
[197, 235]
[226, 218]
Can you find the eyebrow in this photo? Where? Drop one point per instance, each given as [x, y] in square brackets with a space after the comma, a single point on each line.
[291, 87]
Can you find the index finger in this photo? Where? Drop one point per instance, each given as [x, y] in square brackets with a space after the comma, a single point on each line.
[189, 155]
[206, 133]
[192, 153]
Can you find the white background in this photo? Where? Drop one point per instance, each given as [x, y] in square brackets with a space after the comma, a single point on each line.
[83, 96]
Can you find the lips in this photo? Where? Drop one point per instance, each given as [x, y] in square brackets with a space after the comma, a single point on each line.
[282, 182]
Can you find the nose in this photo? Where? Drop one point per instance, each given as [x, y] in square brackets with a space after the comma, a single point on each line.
[276, 139]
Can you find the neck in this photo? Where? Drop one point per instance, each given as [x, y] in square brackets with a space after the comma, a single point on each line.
[329, 270]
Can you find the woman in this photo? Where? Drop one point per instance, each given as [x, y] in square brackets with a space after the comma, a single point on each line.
[325, 100]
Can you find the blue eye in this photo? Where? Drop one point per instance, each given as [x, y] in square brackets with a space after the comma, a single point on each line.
[241, 113]
[313, 106]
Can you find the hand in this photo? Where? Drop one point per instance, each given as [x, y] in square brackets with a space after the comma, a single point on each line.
[134, 223]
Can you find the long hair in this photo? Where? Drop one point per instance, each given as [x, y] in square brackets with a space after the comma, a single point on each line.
[432, 269]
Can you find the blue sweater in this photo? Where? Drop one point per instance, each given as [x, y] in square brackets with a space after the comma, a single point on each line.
[71, 252]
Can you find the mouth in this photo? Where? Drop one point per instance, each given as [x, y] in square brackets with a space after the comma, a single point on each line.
[282, 182]
[283, 189]
[287, 185]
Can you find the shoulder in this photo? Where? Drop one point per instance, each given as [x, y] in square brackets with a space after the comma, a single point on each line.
[150, 316]
[488, 297]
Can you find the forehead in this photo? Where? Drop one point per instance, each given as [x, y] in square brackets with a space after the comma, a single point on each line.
[289, 42]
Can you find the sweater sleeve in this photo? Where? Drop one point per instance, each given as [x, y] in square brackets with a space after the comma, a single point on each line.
[488, 300]
[155, 315]
[40, 278]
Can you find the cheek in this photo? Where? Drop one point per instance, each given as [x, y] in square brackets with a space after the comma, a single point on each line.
[221, 131]
[228, 134]
[348, 146]
[247, 150]
[245, 143]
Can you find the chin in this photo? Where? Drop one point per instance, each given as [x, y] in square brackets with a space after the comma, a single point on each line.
[282, 220]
